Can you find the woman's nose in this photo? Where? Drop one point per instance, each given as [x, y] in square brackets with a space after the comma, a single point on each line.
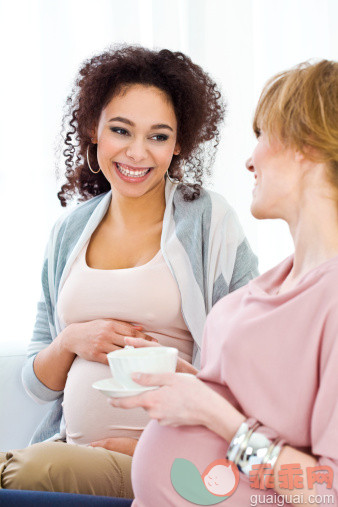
[136, 150]
[249, 165]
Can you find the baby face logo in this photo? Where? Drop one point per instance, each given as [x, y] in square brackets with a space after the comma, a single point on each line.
[218, 481]
[221, 477]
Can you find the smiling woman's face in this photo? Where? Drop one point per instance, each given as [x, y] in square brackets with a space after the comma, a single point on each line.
[136, 140]
[278, 179]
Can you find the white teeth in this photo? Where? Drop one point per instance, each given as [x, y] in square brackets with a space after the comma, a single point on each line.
[134, 174]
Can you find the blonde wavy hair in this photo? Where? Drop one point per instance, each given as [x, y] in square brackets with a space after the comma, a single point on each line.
[299, 107]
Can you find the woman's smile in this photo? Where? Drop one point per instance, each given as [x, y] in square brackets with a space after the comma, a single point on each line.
[132, 174]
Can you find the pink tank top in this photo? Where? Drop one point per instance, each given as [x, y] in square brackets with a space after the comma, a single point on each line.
[146, 295]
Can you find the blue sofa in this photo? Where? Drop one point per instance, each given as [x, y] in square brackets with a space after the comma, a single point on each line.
[14, 498]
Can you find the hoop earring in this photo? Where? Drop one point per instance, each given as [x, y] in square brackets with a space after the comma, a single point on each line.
[94, 172]
[174, 182]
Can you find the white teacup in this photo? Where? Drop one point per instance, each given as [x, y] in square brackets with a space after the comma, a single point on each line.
[126, 361]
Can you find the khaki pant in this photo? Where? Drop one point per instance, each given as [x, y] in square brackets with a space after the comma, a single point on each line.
[57, 466]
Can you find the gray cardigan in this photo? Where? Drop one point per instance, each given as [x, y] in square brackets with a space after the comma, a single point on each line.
[202, 243]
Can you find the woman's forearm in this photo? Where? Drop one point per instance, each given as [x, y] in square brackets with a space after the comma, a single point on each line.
[290, 456]
[221, 417]
[224, 419]
[51, 365]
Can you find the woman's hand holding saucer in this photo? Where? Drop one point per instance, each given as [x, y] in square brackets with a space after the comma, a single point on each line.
[181, 399]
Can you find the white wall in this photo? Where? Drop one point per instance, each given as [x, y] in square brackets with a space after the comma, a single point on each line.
[241, 43]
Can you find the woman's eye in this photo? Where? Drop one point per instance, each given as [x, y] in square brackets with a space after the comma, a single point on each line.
[257, 132]
[120, 131]
[160, 137]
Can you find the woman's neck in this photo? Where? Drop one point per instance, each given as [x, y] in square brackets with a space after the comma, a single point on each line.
[136, 213]
[315, 235]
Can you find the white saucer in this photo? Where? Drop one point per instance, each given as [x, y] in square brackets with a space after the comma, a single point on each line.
[110, 387]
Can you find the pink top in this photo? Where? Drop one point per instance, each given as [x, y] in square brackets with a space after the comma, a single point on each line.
[275, 358]
[147, 295]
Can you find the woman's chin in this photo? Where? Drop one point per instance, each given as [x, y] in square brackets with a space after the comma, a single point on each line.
[258, 211]
[264, 213]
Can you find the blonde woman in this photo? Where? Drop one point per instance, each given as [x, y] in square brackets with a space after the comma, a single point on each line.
[267, 392]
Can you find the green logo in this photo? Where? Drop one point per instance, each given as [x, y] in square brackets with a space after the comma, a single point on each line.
[218, 481]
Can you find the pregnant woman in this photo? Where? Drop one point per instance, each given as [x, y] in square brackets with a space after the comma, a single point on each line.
[146, 255]
[267, 392]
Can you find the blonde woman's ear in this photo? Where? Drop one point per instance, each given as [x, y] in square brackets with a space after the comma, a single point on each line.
[299, 156]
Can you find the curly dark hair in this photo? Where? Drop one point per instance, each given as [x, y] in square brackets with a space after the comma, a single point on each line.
[196, 99]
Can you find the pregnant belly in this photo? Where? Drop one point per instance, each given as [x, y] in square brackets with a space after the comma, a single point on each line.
[158, 448]
[156, 451]
[87, 414]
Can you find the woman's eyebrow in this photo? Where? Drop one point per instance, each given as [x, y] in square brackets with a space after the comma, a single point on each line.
[122, 120]
[161, 126]
[129, 122]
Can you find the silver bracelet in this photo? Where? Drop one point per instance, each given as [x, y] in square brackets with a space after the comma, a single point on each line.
[273, 452]
[250, 447]
[240, 441]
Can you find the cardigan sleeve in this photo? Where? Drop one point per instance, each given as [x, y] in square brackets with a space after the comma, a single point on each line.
[245, 267]
[237, 264]
[43, 334]
[41, 339]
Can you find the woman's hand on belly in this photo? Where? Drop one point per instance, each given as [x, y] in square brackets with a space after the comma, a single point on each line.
[93, 340]
[121, 444]
[182, 365]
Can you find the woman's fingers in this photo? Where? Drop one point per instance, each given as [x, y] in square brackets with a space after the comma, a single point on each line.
[136, 332]
[153, 379]
[139, 400]
[117, 330]
[145, 337]
[122, 329]
[140, 342]
[126, 329]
